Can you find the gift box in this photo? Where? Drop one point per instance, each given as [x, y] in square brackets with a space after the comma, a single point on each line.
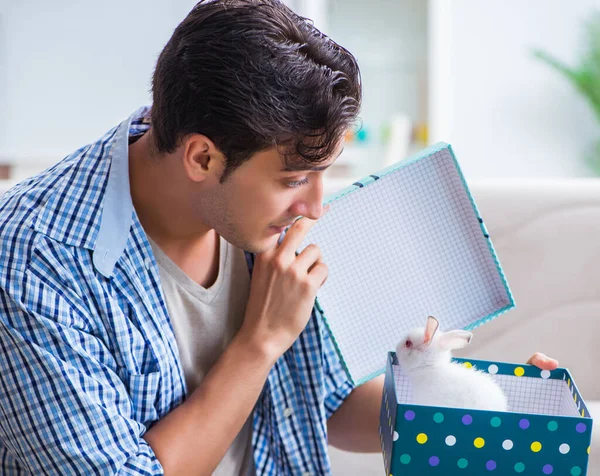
[547, 429]
[409, 242]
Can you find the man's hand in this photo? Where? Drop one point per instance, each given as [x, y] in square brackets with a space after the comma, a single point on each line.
[282, 292]
[543, 361]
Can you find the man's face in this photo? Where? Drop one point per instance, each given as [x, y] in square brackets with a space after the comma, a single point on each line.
[260, 198]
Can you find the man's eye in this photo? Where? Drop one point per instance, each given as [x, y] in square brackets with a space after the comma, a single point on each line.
[297, 183]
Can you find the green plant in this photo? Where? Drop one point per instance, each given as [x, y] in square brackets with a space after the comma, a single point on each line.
[585, 77]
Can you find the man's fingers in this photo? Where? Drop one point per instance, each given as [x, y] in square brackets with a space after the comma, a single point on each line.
[542, 361]
[319, 273]
[295, 234]
[307, 259]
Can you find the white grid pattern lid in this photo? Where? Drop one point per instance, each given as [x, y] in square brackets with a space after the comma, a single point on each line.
[401, 245]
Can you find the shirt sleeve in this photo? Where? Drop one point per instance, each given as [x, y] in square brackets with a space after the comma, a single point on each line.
[337, 382]
[63, 407]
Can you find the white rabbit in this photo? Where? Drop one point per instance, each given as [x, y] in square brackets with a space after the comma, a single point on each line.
[424, 356]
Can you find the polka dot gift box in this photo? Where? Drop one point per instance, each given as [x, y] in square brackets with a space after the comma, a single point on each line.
[408, 242]
[547, 429]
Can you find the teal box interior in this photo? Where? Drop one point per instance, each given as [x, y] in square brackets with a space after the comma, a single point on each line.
[547, 429]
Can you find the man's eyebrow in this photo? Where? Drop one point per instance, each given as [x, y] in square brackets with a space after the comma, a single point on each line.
[300, 167]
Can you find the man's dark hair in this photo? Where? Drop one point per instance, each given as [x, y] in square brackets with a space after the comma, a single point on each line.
[251, 74]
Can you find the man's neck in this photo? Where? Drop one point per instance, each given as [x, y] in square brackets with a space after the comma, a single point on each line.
[159, 198]
[199, 262]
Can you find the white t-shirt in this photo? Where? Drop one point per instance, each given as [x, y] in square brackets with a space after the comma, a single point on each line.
[205, 320]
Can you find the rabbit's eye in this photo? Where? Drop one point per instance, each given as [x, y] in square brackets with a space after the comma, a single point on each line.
[408, 344]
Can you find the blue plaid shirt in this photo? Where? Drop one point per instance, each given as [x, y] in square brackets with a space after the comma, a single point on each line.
[89, 359]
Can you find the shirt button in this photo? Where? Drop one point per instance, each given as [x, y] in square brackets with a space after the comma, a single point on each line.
[148, 264]
[287, 412]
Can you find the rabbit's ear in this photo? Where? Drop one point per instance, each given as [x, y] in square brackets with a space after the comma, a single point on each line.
[454, 340]
[430, 329]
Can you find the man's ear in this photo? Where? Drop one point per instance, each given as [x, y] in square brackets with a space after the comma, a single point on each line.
[201, 158]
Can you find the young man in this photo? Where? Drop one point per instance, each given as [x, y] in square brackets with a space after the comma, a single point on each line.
[136, 335]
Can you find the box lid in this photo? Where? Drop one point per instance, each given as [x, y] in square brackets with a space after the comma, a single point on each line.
[400, 245]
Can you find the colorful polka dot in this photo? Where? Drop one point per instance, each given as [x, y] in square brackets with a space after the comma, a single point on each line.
[564, 448]
[490, 465]
[493, 369]
[507, 445]
[495, 422]
[396, 435]
[575, 471]
[524, 423]
[468, 365]
[519, 467]
[588, 449]
[519, 371]
[451, 440]
[462, 463]
[552, 426]
[434, 461]
[438, 417]
[422, 438]
[536, 446]
[545, 374]
[479, 442]
[580, 427]
[405, 459]
[467, 419]
[548, 469]
[409, 415]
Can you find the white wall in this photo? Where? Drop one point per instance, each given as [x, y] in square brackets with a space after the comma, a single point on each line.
[389, 40]
[504, 112]
[71, 69]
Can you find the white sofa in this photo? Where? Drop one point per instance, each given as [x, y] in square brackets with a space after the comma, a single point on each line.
[547, 236]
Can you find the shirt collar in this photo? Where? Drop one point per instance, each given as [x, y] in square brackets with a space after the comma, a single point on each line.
[85, 200]
[117, 210]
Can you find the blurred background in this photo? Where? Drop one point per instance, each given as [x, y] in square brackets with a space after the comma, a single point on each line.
[460, 71]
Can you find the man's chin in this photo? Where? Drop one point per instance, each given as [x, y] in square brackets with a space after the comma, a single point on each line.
[265, 245]
[259, 246]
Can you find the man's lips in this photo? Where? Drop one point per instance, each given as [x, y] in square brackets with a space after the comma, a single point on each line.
[280, 229]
